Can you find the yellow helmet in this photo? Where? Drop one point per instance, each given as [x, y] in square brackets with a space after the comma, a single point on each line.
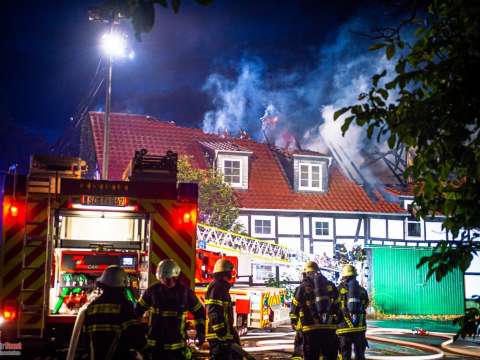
[222, 265]
[167, 269]
[311, 266]
[349, 270]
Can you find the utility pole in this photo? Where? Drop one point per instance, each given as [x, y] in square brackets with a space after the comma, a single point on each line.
[114, 45]
[106, 122]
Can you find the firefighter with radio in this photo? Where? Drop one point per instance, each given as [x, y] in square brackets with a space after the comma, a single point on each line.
[353, 302]
[167, 303]
[109, 322]
[313, 315]
[221, 334]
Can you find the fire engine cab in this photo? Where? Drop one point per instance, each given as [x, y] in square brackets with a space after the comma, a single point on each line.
[59, 232]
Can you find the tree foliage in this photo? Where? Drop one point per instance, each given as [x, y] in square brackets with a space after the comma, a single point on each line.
[431, 104]
[217, 203]
[140, 12]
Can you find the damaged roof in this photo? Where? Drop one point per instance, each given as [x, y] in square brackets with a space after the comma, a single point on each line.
[268, 187]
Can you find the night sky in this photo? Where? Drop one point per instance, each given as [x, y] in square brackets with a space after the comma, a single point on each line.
[224, 66]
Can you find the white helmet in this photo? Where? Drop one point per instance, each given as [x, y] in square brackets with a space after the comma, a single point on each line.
[167, 269]
[113, 276]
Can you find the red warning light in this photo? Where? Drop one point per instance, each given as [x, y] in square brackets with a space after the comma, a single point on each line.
[9, 313]
[186, 216]
[190, 217]
[13, 210]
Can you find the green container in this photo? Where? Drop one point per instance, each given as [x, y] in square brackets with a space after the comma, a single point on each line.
[399, 288]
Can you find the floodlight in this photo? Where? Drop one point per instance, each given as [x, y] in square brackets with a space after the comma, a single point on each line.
[114, 44]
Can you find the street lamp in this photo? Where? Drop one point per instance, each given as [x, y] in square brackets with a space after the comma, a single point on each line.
[114, 45]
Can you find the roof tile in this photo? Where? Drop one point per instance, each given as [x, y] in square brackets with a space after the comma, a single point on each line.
[268, 186]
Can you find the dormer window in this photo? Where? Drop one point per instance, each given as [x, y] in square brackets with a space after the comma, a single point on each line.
[231, 160]
[311, 172]
[310, 177]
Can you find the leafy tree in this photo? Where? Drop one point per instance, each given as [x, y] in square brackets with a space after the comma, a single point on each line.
[431, 104]
[140, 12]
[217, 203]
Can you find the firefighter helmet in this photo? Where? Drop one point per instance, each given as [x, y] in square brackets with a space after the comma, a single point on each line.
[113, 276]
[311, 266]
[349, 270]
[222, 265]
[167, 269]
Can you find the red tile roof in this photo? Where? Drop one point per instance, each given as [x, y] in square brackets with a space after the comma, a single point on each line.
[268, 186]
[222, 146]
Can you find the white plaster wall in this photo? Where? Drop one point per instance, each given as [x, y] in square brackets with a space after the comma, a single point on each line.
[323, 247]
[434, 231]
[472, 286]
[348, 243]
[292, 243]
[243, 220]
[348, 227]
[475, 266]
[378, 228]
[289, 225]
[472, 282]
[395, 229]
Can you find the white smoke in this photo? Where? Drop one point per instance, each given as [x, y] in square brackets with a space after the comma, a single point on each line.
[300, 104]
[233, 99]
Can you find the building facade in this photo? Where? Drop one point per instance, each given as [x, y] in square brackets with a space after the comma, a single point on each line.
[301, 199]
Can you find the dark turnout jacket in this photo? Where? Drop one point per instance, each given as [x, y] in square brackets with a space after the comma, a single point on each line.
[111, 327]
[167, 311]
[353, 302]
[219, 311]
[303, 311]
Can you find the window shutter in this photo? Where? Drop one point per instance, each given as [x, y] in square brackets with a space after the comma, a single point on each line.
[244, 164]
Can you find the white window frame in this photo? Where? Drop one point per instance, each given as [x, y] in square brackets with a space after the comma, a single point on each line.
[233, 184]
[260, 235]
[327, 220]
[263, 226]
[310, 179]
[322, 228]
[410, 221]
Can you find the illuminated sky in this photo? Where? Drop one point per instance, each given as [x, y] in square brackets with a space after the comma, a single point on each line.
[286, 54]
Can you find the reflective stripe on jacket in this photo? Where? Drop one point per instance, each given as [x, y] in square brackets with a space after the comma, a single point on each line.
[111, 326]
[303, 313]
[167, 315]
[350, 323]
[219, 311]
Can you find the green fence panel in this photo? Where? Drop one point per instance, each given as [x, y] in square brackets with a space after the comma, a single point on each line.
[400, 288]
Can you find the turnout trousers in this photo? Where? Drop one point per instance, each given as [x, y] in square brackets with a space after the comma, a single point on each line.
[320, 342]
[359, 342]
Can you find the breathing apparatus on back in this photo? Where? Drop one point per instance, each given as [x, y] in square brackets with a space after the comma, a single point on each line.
[354, 303]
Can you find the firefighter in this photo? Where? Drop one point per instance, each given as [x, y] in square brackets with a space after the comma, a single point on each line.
[109, 322]
[167, 303]
[221, 334]
[353, 302]
[313, 315]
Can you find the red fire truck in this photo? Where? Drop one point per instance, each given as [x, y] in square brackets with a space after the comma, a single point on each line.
[59, 232]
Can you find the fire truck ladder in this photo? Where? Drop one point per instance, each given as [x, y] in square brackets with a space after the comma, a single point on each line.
[217, 239]
[31, 290]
